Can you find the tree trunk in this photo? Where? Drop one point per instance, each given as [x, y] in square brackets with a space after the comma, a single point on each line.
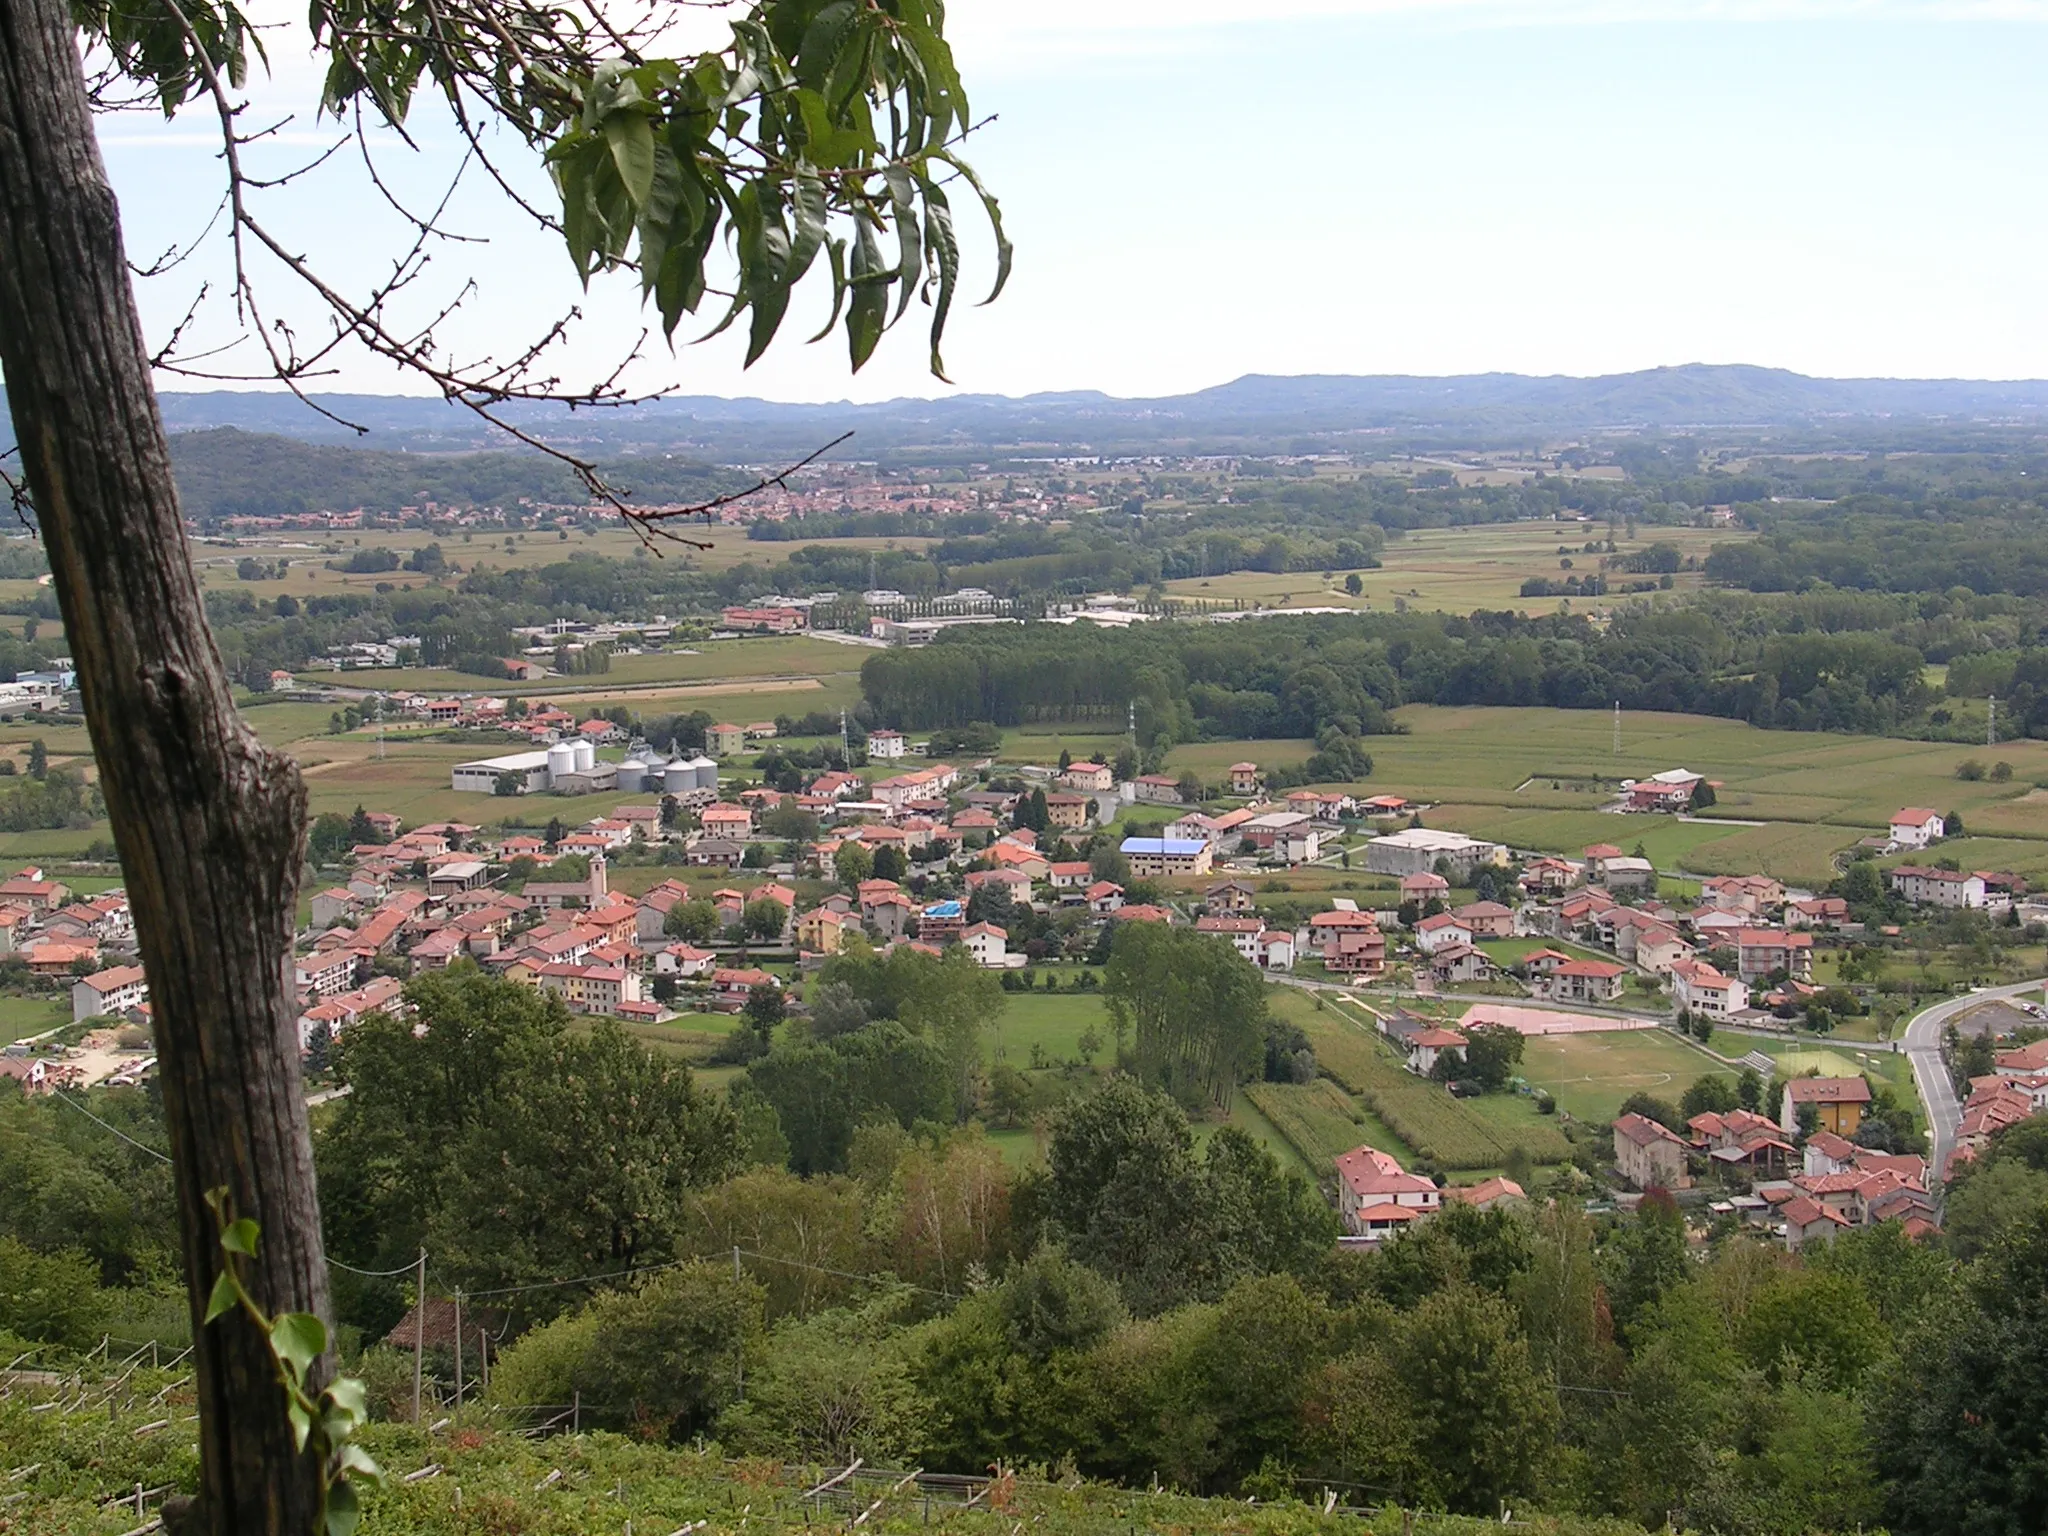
[209, 822]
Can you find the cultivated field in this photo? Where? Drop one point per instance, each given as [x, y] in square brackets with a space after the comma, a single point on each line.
[1454, 569]
[1455, 1133]
[1318, 1118]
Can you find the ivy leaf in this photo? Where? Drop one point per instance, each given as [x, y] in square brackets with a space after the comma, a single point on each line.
[302, 1422]
[298, 1339]
[344, 1510]
[224, 1298]
[240, 1237]
[355, 1461]
[348, 1400]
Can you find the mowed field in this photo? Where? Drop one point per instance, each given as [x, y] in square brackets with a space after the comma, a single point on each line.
[309, 554]
[770, 664]
[1590, 1075]
[1455, 569]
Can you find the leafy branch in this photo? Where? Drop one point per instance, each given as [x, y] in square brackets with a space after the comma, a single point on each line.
[824, 134]
[325, 1423]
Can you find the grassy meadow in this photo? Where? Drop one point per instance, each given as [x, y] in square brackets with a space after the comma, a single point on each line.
[1454, 569]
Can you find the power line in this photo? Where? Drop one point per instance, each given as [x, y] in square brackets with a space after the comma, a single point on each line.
[646, 1269]
[63, 1097]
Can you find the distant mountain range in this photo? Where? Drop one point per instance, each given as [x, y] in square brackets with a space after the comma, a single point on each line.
[1256, 413]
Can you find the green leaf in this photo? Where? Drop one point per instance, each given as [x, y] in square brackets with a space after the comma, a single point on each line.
[631, 137]
[1005, 252]
[226, 1294]
[298, 1339]
[938, 229]
[910, 261]
[355, 1461]
[240, 1237]
[302, 1422]
[810, 211]
[868, 300]
[835, 257]
[343, 1510]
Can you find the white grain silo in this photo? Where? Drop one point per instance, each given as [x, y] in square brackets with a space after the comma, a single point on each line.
[677, 778]
[586, 756]
[561, 762]
[704, 773]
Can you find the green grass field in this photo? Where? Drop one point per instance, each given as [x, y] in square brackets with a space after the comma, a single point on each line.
[21, 1016]
[1590, 1075]
[1452, 569]
[309, 554]
[1052, 1021]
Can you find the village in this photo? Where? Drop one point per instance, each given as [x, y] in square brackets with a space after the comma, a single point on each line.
[740, 891]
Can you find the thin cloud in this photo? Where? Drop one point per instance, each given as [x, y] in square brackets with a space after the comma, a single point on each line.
[993, 27]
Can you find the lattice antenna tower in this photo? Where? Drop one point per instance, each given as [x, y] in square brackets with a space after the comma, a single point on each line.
[1617, 727]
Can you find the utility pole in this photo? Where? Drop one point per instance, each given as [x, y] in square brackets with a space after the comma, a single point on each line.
[739, 1349]
[458, 1354]
[419, 1332]
[1617, 727]
[1991, 729]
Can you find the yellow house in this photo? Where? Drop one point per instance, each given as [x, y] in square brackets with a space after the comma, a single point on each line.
[1839, 1103]
[821, 931]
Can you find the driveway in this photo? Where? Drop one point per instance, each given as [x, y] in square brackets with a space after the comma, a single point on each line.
[1930, 1073]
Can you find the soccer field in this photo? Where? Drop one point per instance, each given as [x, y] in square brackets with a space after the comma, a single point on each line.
[1590, 1075]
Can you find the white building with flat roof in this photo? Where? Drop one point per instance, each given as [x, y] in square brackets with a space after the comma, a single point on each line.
[481, 776]
[1416, 850]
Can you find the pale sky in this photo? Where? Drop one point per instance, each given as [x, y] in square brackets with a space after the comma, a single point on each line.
[1199, 190]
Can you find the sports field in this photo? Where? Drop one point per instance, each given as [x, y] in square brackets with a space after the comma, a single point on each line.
[1454, 569]
[1589, 1075]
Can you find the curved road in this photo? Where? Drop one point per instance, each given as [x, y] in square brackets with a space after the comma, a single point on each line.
[1930, 1073]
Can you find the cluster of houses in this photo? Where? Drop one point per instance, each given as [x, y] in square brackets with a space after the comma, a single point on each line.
[1802, 1192]
[1600, 901]
[595, 949]
[1378, 1199]
[2015, 1091]
[60, 936]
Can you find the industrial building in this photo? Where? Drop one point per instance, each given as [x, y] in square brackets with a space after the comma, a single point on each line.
[1416, 851]
[572, 768]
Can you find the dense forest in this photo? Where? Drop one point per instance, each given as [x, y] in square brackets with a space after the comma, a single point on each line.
[1818, 662]
[1145, 1302]
[231, 473]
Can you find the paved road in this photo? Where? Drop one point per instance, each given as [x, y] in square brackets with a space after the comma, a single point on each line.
[1923, 1047]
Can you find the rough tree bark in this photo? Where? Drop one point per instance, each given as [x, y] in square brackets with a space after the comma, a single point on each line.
[209, 822]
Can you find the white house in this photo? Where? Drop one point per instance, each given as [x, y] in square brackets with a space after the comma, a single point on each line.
[1426, 1045]
[1276, 950]
[1699, 988]
[1376, 1197]
[885, 745]
[1446, 928]
[988, 944]
[110, 991]
[1244, 933]
[1916, 827]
